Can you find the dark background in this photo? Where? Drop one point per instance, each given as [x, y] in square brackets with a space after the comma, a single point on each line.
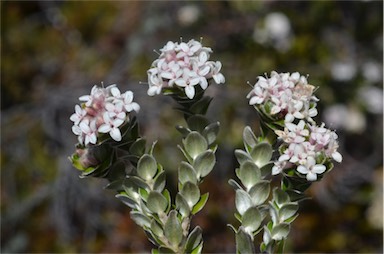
[54, 52]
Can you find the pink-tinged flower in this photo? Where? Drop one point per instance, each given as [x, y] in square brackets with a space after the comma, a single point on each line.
[103, 111]
[311, 169]
[129, 105]
[288, 96]
[111, 126]
[88, 131]
[257, 96]
[183, 65]
[78, 115]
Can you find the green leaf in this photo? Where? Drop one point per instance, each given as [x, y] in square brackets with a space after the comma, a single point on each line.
[249, 174]
[115, 185]
[138, 147]
[173, 230]
[197, 123]
[147, 167]
[140, 219]
[126, 200]
[267, 237]
[198, 249]
[156, 228]
[156, 202]
[243, 201]
[211, 131]
[280, 197]
[150, 152]
[191, 193]
[260, 192]
[234, 184]
[167, 196]
[249, 138]
[251, 220]
[266, 169]
[242, 156]
[193, 240]
[187, 173]
[135, 182]
[280, 231]
[200, 205]
[184, 131]
[159, 184]
[204, 163]
[288, 210]
[244, 243]
[195, 144]
[201, 106]
[165, 250]
[182, 205]
[262, 154]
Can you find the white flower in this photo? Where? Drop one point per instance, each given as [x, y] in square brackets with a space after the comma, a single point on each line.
[89, 131]
[78, 115]
[129, 105]
[311, 169]
[111, 126]
[183, 66]
[103, 111]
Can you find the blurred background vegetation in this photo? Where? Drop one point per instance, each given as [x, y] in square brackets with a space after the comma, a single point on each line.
[54, 52]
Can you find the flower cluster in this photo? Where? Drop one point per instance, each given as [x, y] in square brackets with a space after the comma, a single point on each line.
[103, 111]
[183, 65]
[307, 147]
[284, 96]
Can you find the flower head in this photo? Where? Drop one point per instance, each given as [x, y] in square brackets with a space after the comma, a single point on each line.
[284, 96]
[303, 146]
[103, 111]
[183, 66]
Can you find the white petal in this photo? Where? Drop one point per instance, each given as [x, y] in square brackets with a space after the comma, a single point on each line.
[121, 115]
[115, 92]
[128, 97]
[85, 127]
[284, 157]
[85, 98]
[118, 122]
[276, 170]
[181, 82]
[204, 71]
[92, 138]
[203, 83]
[76, 130]
[219, 78]
[153, 90]
[74, 118]
[311, 176]
[115, 134]
[289, 118]
[110, 107]
[203, 57]
[167, 75]
[190, 92]
[337, 156]
[302, 169]
[318, 169]
[104, 128]
[255, 100]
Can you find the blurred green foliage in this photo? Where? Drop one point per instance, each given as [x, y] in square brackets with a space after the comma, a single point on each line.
[54, 51]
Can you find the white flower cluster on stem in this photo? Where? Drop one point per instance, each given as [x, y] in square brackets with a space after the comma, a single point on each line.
[287, 96]
[183, 65]
[307, 147]
[103, 111]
